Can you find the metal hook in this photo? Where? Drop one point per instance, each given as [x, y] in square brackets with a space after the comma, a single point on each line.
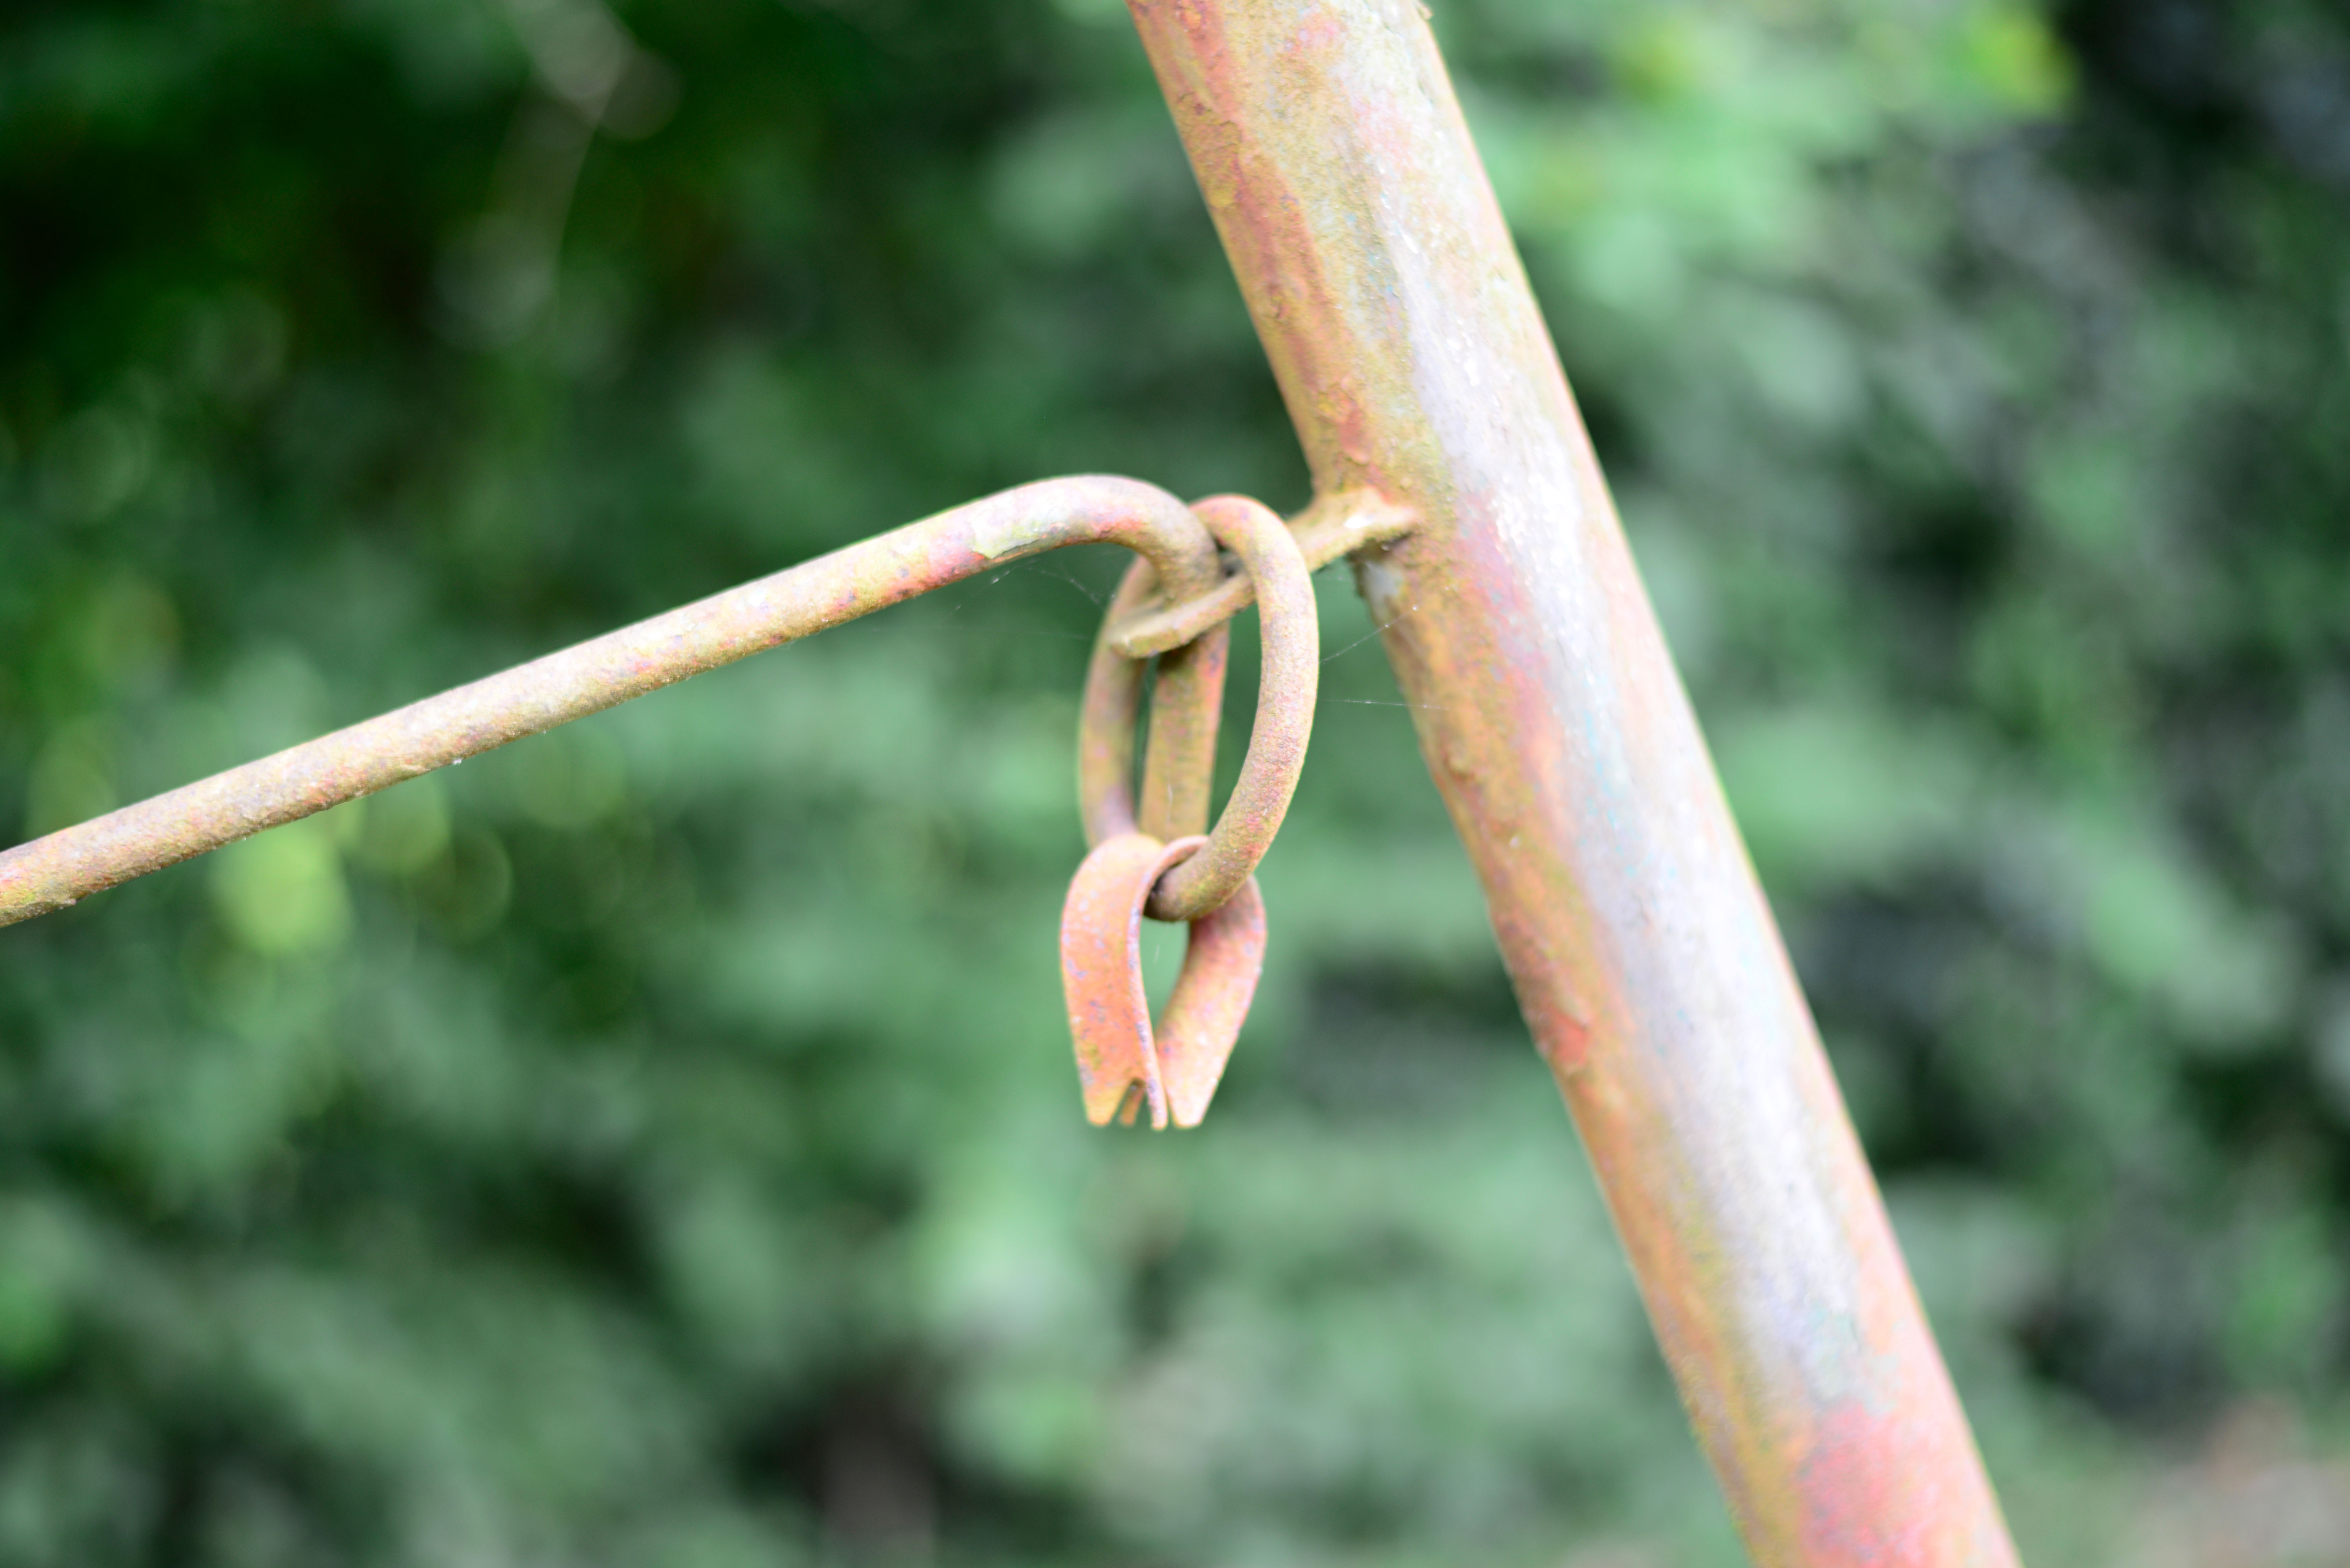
[1122, 1063]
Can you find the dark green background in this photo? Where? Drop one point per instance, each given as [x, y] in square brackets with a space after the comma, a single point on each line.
[656, 1144]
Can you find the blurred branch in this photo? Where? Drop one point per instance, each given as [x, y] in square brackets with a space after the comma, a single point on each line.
[592, 77]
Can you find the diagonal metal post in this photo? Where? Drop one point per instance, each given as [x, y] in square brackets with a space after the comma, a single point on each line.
[1332, 155]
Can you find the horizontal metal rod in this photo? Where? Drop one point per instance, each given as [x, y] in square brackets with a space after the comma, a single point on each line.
[70, 865]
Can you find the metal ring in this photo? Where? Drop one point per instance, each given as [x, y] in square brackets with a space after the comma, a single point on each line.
[1276, 750]
[1180, 764]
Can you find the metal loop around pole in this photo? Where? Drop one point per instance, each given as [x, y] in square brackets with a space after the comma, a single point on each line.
[1277, 739]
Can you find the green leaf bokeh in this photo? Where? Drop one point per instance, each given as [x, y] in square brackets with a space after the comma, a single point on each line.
[655, 1144]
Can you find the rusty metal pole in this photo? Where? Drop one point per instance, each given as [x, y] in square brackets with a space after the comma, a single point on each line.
[1330, 148]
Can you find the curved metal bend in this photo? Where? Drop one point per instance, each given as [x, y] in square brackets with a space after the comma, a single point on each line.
[1275, 573]
[53, 872]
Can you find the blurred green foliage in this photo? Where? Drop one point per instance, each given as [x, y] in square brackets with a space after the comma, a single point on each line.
[654, 1144]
